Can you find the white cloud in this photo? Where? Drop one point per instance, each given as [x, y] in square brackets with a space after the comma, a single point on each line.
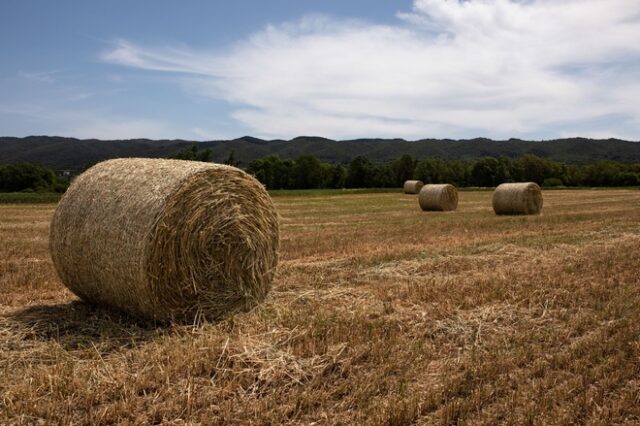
[497, 68]
[41, 76]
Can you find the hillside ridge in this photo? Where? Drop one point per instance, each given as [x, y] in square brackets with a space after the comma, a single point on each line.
[71, 153]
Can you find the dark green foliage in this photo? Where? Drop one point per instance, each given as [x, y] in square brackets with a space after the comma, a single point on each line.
[194, 154]
[384, 177]
[307, 172]
[359, 173]
[29, 197]
[530, 168]
[628, 179]
[74, 154]
[231, 159]
[435, 170]
[551, 182]
[335, 175]
[489, 171]
[602, 173]
[273, 172]
[27, 177]
[403, 169]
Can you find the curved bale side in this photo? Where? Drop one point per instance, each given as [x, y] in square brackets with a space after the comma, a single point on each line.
[441, 197]
[517, 198]
[166, 240]
[413, 186]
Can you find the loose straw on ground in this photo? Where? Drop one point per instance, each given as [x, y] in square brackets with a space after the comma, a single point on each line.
[166, 239]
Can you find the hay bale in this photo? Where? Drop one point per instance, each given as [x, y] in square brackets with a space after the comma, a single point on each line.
[517, 198]
[442, 198]
[413, 186]
[167, 240]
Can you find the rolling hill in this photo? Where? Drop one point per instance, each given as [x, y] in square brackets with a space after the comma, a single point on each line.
[70, 153]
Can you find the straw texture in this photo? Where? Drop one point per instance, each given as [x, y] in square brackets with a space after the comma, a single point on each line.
[413, 186]
[167, 240]
[517, 198]
[442, 198]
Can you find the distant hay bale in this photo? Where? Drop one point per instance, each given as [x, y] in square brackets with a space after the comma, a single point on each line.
[517, 198]
[442, 197]
[166, 240]
[413, 186]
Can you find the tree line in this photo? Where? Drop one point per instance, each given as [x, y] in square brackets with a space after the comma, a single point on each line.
[307, 172]
[27, 177]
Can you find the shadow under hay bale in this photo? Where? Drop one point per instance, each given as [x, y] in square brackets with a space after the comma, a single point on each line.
[522, 198]
[412, 186]
[166, 240]
[79, 325]
[442, 197]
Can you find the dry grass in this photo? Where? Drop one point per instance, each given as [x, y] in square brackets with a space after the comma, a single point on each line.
[379, 314]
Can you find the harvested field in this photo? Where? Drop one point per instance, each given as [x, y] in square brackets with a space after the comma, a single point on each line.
[379, 314]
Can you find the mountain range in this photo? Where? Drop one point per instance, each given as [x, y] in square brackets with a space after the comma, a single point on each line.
[70, 153]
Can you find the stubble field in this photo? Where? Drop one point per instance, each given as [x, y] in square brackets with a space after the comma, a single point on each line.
[379, 314]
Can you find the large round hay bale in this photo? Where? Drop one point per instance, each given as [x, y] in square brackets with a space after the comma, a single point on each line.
[167, 240]
[442, 197]
[517, 198]
[413, 186]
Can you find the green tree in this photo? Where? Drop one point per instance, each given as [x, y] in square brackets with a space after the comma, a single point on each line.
[27, 176]
[458, 173]
[307, 173]
[627, 179]
[489, 171]
[531, 168]
[601, 173]
[193, 154]
[382, 176]
[273, 172]
[359, 172]
[403, 169]
[334, 176]
[434, 170]
[231, 159]
[551, 182]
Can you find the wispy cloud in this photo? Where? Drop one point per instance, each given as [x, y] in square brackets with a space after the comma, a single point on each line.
[40, 76]
[500, 68]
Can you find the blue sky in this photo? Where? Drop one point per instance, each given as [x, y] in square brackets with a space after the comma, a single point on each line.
[206, 70]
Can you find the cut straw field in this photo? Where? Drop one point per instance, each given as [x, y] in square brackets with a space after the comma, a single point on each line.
[379, 314]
